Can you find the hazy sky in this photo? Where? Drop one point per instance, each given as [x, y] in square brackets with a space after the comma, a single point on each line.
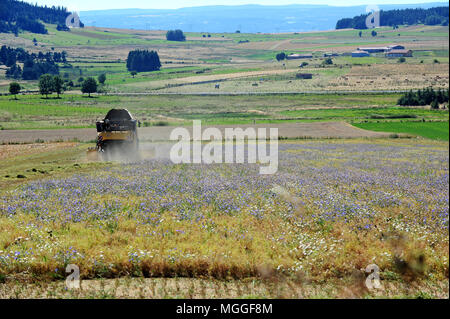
[84, 5]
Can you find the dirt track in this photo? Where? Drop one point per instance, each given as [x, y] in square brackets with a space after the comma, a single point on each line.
[155, 133]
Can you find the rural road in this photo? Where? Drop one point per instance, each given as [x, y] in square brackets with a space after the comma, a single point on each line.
[162, 133]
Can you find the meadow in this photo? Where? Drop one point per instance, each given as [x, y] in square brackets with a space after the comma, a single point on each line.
[333, 208]
[363, 110]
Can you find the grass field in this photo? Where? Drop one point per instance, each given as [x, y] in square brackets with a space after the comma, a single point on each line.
[432, 130]
[369, 113]
[75, 111]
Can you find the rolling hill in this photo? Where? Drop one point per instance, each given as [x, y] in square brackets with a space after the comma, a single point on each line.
[245, 18]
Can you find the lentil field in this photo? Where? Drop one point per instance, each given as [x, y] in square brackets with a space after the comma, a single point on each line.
[333, 208]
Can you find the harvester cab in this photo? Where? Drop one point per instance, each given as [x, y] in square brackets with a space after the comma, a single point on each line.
[117, 134]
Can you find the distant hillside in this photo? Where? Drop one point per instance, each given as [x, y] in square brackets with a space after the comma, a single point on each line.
[431, 16]
[16, 16]
[245, 18]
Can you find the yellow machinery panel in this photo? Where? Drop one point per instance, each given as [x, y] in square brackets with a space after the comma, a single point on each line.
[116, 136]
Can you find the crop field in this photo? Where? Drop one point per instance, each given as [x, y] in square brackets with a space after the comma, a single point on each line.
[334, 207]
[437, 131]
[231, 58]
[75, 111]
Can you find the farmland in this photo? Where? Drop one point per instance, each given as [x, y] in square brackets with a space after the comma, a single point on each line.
[334, 206]
[438, 131]
[233, 78]
[239, 61]
[361, 180]
[75, 111]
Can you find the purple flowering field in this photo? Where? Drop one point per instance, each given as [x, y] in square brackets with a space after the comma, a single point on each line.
[334, 207]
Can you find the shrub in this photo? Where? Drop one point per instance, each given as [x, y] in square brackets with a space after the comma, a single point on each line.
[328, 61]
[305, 76]
[280, 56]
[102, 78]
[14, 89]
[161, 123]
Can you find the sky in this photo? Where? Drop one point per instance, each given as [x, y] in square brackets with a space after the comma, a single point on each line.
[85, 5]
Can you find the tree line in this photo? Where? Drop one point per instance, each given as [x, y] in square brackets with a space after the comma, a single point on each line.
[49, 84]
[34, 64]
[143, 61]
[175, 35]
[394, 18]
[16, 16]
[427, 96]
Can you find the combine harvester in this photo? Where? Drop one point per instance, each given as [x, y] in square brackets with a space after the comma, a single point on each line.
[117, 137]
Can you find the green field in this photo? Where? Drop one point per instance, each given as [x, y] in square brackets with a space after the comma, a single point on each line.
[223, 59]
[377, 112]
[76, 111]
[368, 113]
[432, 130]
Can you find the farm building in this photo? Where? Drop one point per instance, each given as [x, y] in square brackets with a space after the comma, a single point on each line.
[299, 56]
[374, 49]
[396, 47]
[399, 53]
[360, 54]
